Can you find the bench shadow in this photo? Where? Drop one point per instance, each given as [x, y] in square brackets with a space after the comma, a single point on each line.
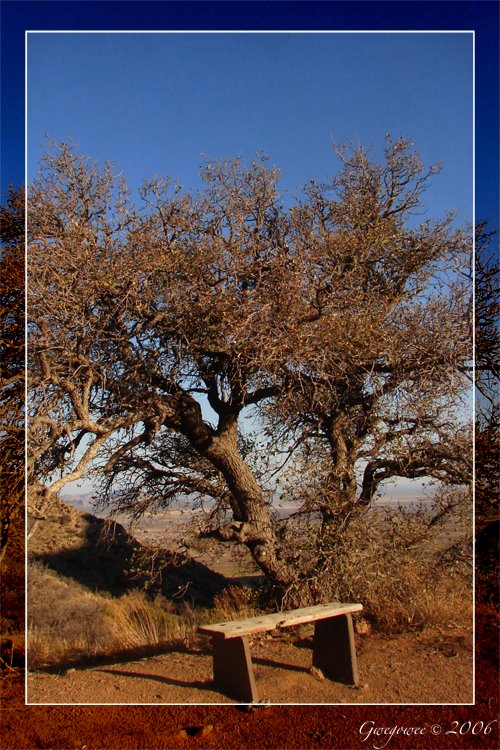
[122, 656]
[200, 684]
[279, 664]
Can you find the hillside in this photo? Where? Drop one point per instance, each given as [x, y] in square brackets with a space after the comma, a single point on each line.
[80, 546]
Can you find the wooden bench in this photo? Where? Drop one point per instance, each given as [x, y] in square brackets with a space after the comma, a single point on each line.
[333, 646]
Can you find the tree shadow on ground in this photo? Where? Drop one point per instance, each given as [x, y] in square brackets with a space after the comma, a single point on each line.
[115, 562]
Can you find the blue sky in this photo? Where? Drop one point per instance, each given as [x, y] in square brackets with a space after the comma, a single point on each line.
[161, 103]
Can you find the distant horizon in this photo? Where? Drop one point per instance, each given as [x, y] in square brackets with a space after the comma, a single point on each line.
[405, 493]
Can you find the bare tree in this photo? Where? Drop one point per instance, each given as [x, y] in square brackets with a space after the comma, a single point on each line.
[487, 314]
[12, 371]
[377, 385]
[487, 374]
[340, 325]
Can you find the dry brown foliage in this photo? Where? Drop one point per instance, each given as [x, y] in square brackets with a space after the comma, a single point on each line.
[12, 371]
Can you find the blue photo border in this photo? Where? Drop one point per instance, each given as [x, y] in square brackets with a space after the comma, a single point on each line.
[17, 16]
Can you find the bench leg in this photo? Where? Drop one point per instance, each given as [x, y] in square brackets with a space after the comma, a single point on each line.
[233, 671]
[334, 651]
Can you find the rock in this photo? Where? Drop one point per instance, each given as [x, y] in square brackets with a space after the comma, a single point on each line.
[363, 627]
[317, 673]
[361, 686]
[207, 729]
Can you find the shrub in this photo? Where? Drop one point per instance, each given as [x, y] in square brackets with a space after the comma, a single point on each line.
[407, 572]
[236, 602]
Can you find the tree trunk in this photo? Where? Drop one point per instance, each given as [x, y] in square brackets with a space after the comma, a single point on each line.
[255, 526]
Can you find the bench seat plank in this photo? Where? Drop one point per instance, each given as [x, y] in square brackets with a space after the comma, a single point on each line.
[238, 628]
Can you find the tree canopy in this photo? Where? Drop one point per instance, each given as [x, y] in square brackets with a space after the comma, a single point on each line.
[487, 366]
[12, 361]
[340, 325]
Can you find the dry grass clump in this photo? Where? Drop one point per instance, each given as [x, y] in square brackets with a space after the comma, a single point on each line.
[234, 603]
[407, 598]
[64, 618]
[135, 621]
[405, 574]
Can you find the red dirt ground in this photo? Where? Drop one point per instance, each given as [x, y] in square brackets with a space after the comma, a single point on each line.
[429, 667]
[231, 727]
